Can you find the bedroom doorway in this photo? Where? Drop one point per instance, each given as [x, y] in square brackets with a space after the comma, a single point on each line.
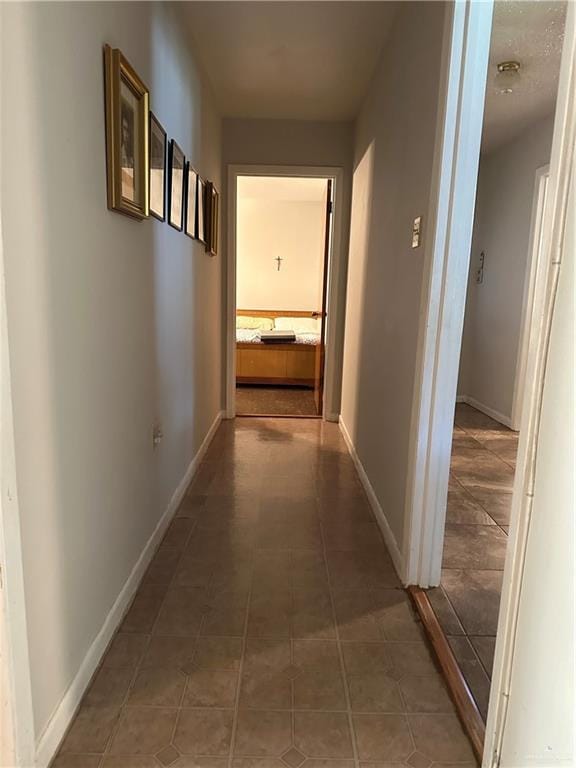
[283, 242]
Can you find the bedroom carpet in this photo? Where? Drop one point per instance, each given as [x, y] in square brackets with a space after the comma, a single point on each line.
[271, 630]
[277, 401]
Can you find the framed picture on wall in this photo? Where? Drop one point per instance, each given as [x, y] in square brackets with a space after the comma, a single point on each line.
[212, 217]
[201, 210]
[126, 136]
[191, 201]
[157, 193]
[176, 165]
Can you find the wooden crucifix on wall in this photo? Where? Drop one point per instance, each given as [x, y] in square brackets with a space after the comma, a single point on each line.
[279, 261]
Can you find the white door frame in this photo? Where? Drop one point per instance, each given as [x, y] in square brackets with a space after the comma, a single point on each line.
[534, 253]
[336, 261]
[467, 34]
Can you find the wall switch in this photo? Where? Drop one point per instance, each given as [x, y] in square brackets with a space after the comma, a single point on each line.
[416, 229]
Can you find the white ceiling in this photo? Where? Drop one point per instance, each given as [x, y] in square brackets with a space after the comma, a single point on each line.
[302, 60]
[282, 188]
[531, 33]
[313, 60]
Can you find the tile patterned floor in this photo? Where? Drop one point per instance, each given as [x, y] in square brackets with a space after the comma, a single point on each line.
[270, 630]
[479, 498]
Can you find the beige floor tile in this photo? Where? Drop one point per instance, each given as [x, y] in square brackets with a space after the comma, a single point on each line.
[157, 687]
[182, 612]
[263, 733]
[145, 607]
[109, 687]
[211, 688]
[91, 730]
[175, 652]
[410, 659]
[264, 584]
[143, 731]
[426, 694]
[376, 692]
[440, 738]
[266, 688]
[474, 547]
[383, 737]
[204, 732]
[126, 650]
[462, 508]
[321, 734]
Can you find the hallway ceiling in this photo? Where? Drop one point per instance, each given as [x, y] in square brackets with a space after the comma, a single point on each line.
[531, 33]
[299, 60]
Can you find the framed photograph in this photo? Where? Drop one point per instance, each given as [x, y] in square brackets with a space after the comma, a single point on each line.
[126, 136]
[201, 211]
[191, 201]
[212, 217]
[176, 165]
[157, 189]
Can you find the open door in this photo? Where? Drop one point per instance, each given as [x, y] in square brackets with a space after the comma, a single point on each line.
[319, 361]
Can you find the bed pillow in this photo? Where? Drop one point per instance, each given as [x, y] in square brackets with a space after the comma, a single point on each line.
[298, 324]
[254, 323]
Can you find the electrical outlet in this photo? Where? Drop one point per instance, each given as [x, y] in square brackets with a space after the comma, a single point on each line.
[157, 435]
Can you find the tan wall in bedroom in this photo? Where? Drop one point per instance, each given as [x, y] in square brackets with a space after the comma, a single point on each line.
[292, 230]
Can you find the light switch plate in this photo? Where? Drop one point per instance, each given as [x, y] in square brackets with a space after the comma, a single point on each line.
[416, 229]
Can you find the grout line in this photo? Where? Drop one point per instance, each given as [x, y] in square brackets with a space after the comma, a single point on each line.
[340, 655]
[236, 711]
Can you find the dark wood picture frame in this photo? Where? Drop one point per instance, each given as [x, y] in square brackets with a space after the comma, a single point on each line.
[191, 208]
[212, 218]
[201, 219]
[127, 123]
[156, 130]
[176, 186]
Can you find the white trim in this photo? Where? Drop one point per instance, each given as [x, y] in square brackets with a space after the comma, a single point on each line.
[562, 166]
[58, 724]
[496, 415]
[377, 510]
[336, 261]
[534, 254]
[447, 253]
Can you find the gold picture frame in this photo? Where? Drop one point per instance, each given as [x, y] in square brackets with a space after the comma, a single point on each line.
[212, 218]
[127, 137]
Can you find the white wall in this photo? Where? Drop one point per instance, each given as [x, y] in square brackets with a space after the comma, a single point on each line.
[539, 729]
[112, 323]
[292, 230]
[493, 315]
[393, 157]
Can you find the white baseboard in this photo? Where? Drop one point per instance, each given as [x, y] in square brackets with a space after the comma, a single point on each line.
[496, 415]
[60, 721]
[389, 538]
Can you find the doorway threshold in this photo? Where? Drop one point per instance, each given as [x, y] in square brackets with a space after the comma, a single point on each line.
[466, 707]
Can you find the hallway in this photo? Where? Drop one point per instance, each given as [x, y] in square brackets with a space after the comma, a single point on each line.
[270, 630]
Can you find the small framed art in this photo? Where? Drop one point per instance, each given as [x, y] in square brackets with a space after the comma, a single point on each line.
[201, 229]
[126, 136]
[157, 191]
[212, 217]
[191, 201]
[176, 164]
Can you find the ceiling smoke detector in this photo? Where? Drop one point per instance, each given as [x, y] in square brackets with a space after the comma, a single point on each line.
[507, 77]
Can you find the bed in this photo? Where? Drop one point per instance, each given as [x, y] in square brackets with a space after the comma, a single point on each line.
[284, 364]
